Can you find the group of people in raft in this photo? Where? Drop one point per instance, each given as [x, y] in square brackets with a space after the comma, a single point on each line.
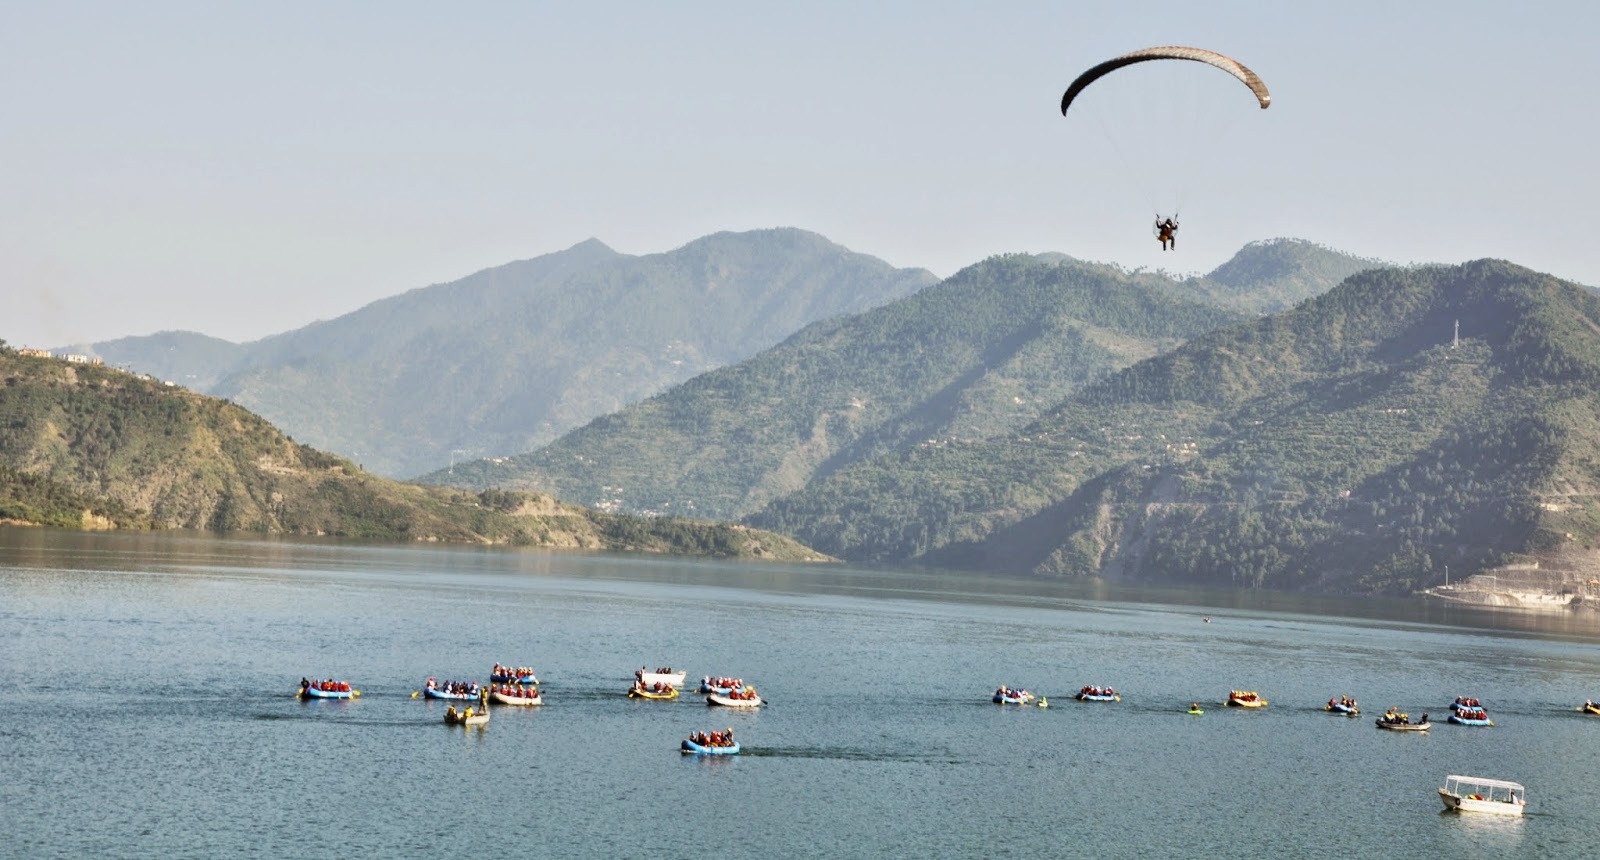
[1394, 715]
[1243, 695]
[713, 739]
[454, 688]
[516, 691]
[1344, 701]
[519, 672]
[658, 687]
[328, 686]
[722, 683]
[1092, 690]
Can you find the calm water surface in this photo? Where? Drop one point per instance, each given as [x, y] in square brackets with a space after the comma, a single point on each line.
[149, 711]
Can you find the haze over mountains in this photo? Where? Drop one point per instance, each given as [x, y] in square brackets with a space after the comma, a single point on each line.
[509, 358]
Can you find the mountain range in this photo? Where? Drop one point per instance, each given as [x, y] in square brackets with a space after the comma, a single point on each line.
[511, 357]
[1407, 420]
[981, 354]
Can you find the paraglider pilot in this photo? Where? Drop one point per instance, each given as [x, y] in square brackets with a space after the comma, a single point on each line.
[1167, 232]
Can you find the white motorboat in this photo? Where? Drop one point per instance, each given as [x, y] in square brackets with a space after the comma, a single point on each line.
[1478, 794]
[660, 676]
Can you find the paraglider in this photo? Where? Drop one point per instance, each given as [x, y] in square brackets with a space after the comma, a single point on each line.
[1167, 232]
[1166, 229]
[1201, 55]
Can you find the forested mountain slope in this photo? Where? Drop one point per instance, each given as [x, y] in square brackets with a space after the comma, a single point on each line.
[1349, 444]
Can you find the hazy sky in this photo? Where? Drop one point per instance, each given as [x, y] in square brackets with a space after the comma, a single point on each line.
[241, 169]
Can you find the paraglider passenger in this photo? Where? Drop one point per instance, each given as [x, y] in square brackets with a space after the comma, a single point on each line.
[1167, 232]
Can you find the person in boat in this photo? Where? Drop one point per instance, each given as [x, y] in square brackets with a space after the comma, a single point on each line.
[1423, 720]
[1167, 232]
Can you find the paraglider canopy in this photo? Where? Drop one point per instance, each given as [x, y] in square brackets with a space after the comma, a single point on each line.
[1199, 55]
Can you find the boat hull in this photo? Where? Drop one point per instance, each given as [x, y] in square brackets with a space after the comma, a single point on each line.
[461, 719]
[1456, 803]
[1342, 710]
[727, 702]
[671, 693]
[690, 747]
[1463, 721]
[1012, 700]
[1088, 697]
[1247, 703]
[454, 697]
[313, 693]
[515, 701]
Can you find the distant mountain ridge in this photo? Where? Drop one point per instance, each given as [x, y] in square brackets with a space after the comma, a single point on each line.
[1350, 444]
[980, 353]
[983, 353]
[510, 357]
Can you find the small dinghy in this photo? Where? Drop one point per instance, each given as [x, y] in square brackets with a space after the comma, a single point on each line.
[516, 696]
[661, 691]
[1245, 699]
[1344, 706]
[744, 697]
[469, 717]
[710, 743]
[467, 692]
[329, 689]
[1098, 694]
[512, 675]
[1010, 696]
[720, 686]
[1478, 718]
[1395, 721]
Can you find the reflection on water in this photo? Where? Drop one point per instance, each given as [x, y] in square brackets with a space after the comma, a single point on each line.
[486, 567]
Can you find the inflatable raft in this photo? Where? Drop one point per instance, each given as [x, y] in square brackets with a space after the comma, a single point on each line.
[517, 701]
[689, 746]
[730, 702]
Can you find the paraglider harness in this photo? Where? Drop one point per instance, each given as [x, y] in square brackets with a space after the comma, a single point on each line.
[1166, 229]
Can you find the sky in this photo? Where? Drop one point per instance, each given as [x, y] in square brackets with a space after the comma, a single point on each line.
[242, 169]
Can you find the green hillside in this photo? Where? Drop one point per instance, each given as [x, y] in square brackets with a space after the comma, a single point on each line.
[1346, 445]
[1273, 276]
[981, 353]
[93, 447]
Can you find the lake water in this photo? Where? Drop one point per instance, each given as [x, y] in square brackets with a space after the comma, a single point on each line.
[149, 711]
